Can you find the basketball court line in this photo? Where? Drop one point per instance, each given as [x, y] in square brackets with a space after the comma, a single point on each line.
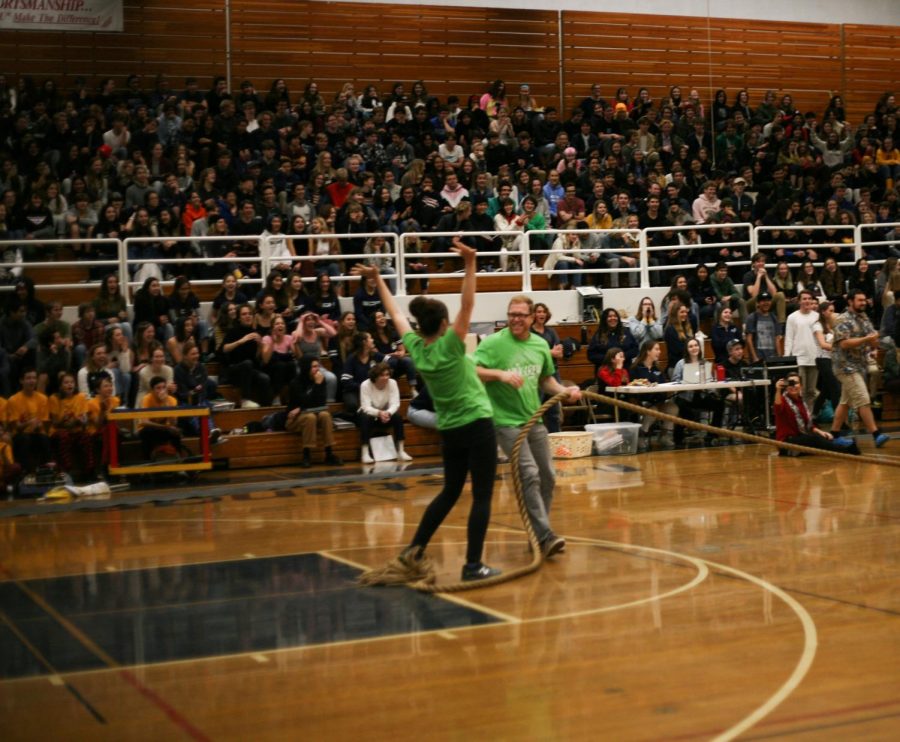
[123, 672]
[444, 596]
[56, 678]
[793, 681]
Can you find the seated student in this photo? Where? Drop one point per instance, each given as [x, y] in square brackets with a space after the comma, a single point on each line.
[723, 332]
[240, 348]
[98, 408]
[794, 421]
[612, 371]
[53, 358]
[194, 388]
[366, 302]
[678, 332]
[28, 422]
[10, 471]
[68, 428]
[379, 405]
[86, 333]
[764, 333]
[420, 411]
[160, 433]
[689, 403]
[645, 367]
[611, 332]
[310, 340]
[356, 369]
[389, 344]
[307, 411]
[645, 325]
[156, 367]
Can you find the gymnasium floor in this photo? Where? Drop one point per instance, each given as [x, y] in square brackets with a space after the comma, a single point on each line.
[704, 593]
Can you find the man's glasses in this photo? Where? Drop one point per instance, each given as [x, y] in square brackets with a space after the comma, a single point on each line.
[518, 315]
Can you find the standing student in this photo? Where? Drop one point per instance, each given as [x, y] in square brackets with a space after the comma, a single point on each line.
[854, 335]
[800, 341]
[462, 407]
[516, 366]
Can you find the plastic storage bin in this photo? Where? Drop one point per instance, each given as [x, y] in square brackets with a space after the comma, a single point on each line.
[614, 439]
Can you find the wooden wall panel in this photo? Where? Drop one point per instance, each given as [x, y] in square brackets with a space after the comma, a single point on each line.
[658, 52]
[160, 37]
[453, 50]
[872, 65]
[459, 50]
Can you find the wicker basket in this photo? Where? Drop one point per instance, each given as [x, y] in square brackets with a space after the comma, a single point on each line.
[571, 445]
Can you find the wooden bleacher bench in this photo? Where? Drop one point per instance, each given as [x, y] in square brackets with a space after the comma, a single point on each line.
[252, 450]
[487, 282]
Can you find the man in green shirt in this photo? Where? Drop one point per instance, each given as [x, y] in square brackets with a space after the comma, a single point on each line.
[516, 366]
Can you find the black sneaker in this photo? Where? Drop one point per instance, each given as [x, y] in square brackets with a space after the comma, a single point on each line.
[553, 545]
[215, 436]
[333, 460]
[478, 572]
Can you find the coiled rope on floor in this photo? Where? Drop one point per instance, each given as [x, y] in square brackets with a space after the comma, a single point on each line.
[420, 574]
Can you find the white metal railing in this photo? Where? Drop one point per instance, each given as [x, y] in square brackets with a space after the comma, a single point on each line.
[403, 249]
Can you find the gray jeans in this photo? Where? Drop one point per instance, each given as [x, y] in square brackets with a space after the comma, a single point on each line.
[538, 474]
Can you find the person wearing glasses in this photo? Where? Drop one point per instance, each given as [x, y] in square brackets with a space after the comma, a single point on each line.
[516, 366]
[794, 421]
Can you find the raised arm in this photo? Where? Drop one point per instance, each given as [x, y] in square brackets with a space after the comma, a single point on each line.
[401, 323]
[467, 293]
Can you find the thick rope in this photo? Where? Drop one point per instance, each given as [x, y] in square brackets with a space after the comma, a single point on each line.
[748, 437]
[420, 575]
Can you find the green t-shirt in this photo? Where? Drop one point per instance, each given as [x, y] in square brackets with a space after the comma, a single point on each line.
[530, 358]
[458, 394]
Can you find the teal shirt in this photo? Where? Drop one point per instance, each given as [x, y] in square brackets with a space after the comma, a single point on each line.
[459, 396]
[530, 358]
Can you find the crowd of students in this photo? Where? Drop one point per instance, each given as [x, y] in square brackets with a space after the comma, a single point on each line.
[771, 315]
[315, 175]
[165, 163]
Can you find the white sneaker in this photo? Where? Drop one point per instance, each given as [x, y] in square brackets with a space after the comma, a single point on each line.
[248, 404]
[367, 457]
[403, 456]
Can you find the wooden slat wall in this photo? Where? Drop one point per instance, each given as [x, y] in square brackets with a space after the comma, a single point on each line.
[459, 50]
[872, 65]
[658, 52]
[453, 50]
[160, 37]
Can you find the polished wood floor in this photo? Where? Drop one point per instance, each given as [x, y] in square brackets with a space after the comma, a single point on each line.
[712, 593]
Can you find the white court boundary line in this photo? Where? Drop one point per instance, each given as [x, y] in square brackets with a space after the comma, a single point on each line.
[802, 667]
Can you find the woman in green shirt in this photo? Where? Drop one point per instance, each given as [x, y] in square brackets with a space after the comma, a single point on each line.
[464, 414]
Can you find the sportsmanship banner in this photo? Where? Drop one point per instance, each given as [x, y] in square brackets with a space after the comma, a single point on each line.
[61, 15]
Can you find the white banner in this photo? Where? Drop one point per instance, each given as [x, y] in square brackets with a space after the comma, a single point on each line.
[61, 15]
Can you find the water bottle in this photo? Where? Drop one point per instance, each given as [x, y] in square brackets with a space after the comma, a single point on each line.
[584, 337]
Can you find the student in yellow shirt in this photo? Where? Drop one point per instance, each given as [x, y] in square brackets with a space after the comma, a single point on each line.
[68, 427]
[28, 422]
[98, 407]
[10, 471]
[162, 431]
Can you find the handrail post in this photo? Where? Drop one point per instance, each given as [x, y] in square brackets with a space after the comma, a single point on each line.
[400, 258]
[644, 257]
[525, 254]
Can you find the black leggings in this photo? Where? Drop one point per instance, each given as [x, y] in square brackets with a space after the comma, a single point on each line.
[814, 440]
[471, 447]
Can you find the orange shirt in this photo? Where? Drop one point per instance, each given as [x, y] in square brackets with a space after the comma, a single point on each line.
[21, 408]
[149, 401]
[64, 410]
[93, 411]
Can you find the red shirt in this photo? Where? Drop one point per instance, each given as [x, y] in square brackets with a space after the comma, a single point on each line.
[785, 422]
[614, 377]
